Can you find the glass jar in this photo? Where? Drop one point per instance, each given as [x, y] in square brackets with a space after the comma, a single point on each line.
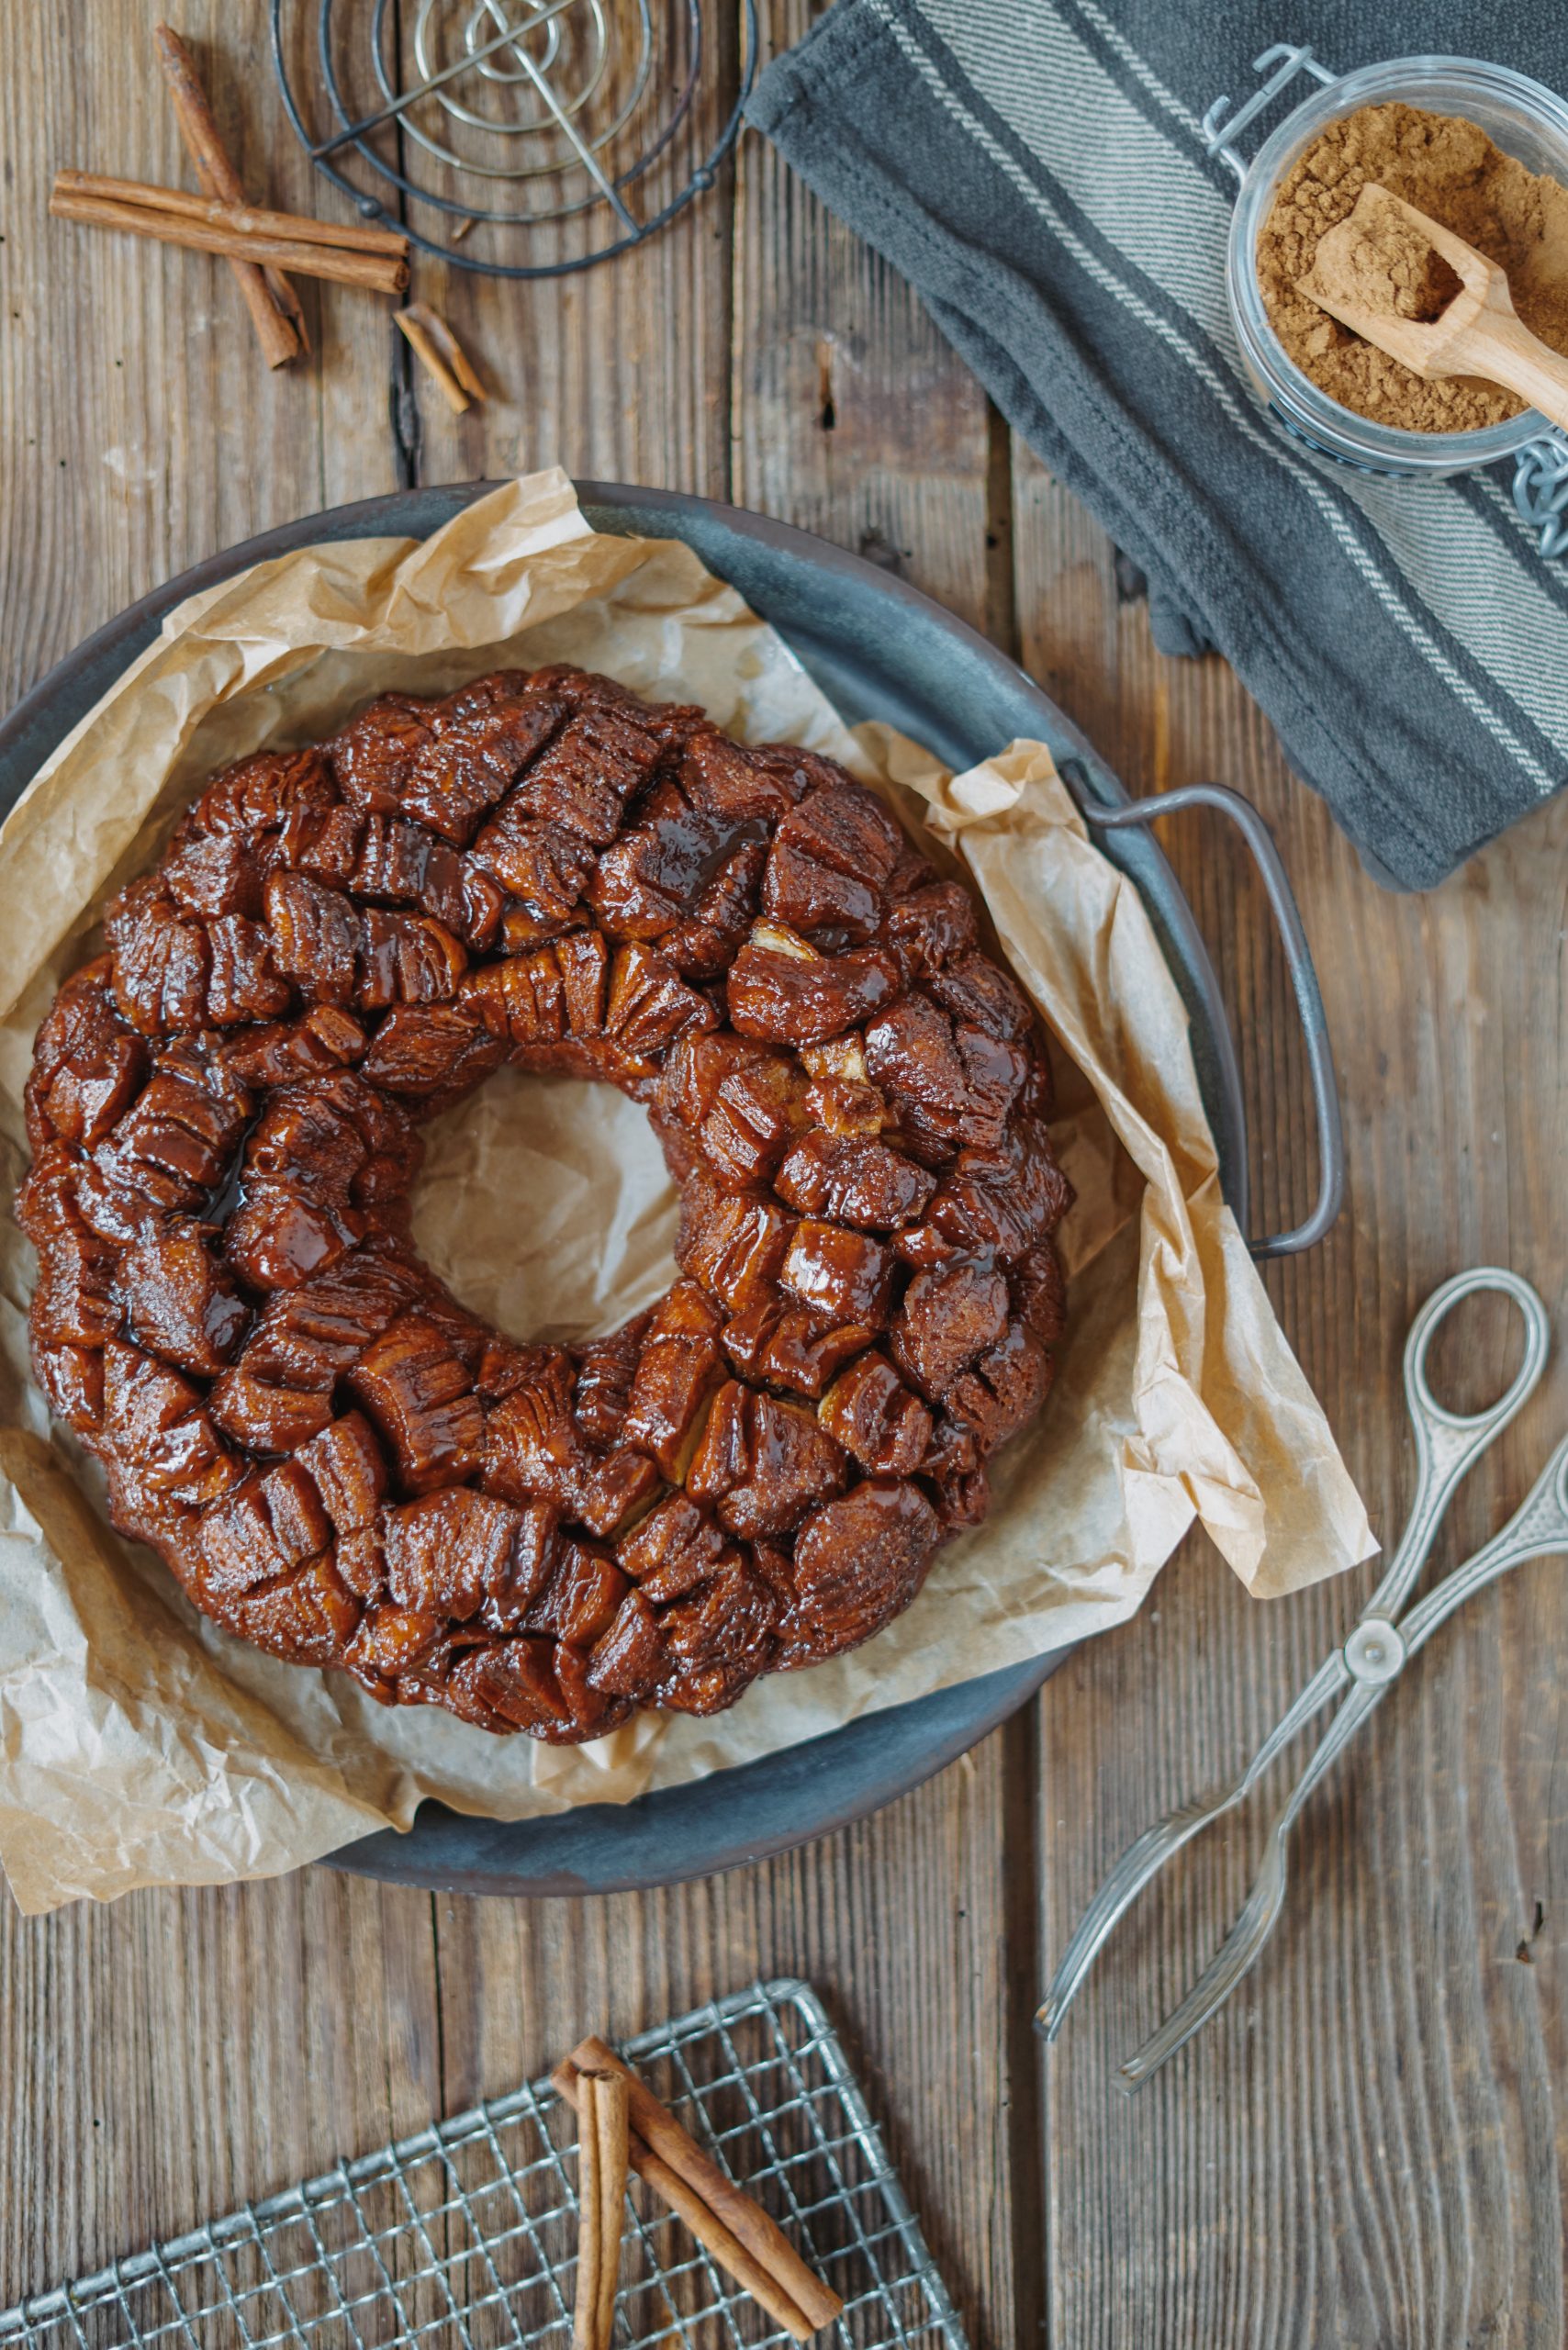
[1524, 117]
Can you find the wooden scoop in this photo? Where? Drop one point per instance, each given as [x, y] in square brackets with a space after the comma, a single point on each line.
[1477, 334]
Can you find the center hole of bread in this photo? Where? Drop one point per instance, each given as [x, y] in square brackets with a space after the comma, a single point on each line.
[545, 1206]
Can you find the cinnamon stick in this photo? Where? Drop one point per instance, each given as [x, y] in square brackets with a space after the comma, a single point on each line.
[739, 2235]
[268, 296]
[442, 356]
[601, 2191]
[710, 2232]
[250, 219]
[761, 2235]
[235, 235]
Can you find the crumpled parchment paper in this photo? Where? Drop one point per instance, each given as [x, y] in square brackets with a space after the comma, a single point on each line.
[140, 1746]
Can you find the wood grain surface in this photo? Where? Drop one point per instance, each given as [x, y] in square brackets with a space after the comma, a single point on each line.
[1367, 2149]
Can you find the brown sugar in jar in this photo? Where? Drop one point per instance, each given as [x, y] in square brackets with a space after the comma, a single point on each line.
[1450, 168]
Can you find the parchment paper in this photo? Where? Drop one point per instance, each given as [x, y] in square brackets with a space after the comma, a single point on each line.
[140, 1746]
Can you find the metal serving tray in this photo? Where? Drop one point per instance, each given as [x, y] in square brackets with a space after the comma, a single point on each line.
[878, 649]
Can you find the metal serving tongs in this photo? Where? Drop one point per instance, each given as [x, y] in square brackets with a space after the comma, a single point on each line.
[1446, 1445]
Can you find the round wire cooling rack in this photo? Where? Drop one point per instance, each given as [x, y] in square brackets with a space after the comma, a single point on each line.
[577, 127]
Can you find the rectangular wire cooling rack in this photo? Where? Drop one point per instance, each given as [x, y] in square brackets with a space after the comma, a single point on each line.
[464, 2236]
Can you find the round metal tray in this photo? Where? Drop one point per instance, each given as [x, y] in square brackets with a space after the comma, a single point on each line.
[878, 649]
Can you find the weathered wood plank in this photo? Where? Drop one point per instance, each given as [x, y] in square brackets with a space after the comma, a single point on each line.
[852, 415]
[1367, 2146]
[177, 2053]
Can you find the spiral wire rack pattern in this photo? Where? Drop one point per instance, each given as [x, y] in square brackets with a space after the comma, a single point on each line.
[579, 125]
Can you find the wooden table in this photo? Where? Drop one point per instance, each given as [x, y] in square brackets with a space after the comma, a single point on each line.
[1366, 2149]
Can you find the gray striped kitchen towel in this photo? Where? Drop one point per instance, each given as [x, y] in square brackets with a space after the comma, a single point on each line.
[1034, 167]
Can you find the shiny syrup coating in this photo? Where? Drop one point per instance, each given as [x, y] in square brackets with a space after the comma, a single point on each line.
[338, 1460]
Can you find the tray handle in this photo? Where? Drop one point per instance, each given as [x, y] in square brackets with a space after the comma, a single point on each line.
[1304, 982]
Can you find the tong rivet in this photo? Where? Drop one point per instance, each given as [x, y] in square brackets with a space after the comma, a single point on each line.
[1374, 1652]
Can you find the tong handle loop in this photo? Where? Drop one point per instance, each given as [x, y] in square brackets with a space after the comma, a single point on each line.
[1492, 1418]
[1448, 1443]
